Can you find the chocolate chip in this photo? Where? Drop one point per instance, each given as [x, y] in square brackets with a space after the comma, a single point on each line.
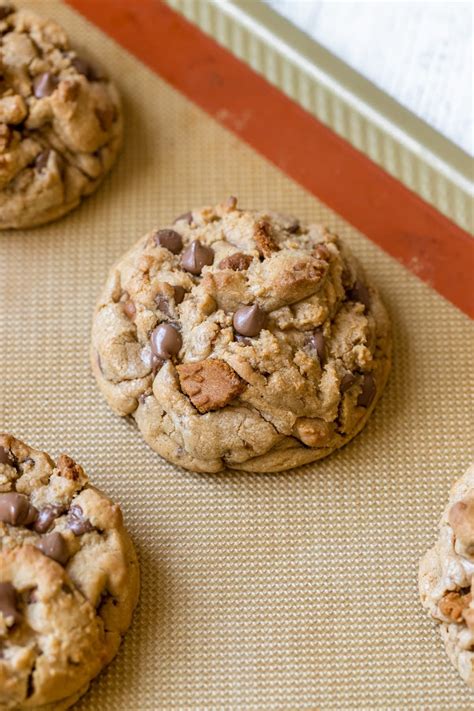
[294, 227]
[249, 320]
[5, 10]
[8, 604]
[44, 85]
[6, 457]
[231, 203]
[163, 304]
[360, 293]
[16, 509]
[129, 309]
[82, 66]
[46, 516]
[169, 239]
[166, 341]
[186, 217]
[238, 262]
[179, 294]
[367, 395]
[41, 160]
[77, 523]
[30, 685]
[54, 546]
[318, 342]
[347, 381]
[196, 256]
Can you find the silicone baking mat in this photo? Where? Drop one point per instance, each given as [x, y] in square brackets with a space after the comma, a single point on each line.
[293, 590]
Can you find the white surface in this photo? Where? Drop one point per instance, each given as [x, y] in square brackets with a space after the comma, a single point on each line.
[421, 53]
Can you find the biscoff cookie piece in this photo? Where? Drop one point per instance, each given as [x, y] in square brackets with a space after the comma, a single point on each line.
[60, 121]
[241, 339]
[446, 577]
[68, 579]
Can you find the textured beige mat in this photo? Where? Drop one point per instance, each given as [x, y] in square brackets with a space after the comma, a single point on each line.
[271, 591]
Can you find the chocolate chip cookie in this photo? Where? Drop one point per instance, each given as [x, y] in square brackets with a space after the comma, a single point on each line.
[60, 121]
[68, 579]
[446, 577]
[241, 339]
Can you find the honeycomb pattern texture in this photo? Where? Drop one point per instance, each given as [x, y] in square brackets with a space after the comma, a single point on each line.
[295, 590]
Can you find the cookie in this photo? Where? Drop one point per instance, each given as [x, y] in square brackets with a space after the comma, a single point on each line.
[68, 579]
[241, 339]
[60, 121]
[446, 577]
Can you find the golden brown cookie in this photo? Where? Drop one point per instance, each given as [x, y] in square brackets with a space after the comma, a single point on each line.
[68, 579]
[241, 339]
[60, 121]
[447, 576]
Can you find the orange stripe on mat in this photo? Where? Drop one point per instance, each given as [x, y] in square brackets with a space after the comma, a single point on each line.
[405, 226]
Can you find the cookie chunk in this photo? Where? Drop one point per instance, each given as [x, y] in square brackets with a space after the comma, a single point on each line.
[68, 579]
[241, 339]
[60, 121]
[446, 577]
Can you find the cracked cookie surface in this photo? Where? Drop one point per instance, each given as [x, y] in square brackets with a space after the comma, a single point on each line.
[446, 577]
[60, 121]
[68, 579]
[241, 339]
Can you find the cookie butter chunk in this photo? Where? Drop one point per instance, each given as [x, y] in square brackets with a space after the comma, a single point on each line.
[242, 339]
[209, 384]
[446, 577]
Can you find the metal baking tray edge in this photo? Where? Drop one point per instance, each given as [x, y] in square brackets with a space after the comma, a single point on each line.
[394, 138]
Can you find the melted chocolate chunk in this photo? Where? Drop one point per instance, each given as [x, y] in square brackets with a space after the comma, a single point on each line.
[169, 239]
[6, 457]
[16, 509]
[367, 394]
[360, 293]
[179, 294]
[46, 516]
[318, 342]
[77, 523]
[347, 382]
[55, 547]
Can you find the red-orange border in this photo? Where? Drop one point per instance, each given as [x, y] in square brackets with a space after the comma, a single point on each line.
[411, 230]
